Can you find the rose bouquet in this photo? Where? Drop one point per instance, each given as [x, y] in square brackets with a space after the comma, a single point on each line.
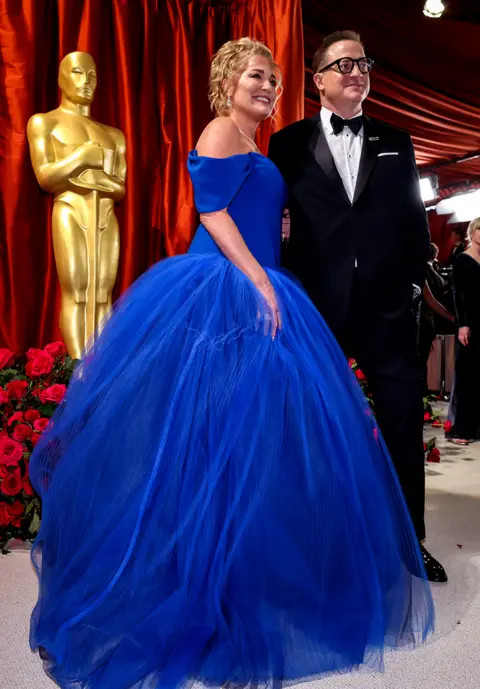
[362, 379]
[31, 388]
[431, 451]
[430, 416]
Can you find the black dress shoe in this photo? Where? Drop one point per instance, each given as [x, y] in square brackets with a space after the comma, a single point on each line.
[434, 569]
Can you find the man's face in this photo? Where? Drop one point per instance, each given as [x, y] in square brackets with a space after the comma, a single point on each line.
[341, 89]
[78, 78]
[456, 239]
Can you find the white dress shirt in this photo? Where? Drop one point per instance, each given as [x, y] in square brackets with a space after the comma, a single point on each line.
[346, 150]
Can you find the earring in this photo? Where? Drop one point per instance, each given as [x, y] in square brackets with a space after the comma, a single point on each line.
[229, 102]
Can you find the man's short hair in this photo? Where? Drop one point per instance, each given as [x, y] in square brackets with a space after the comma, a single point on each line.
[328, 41]
[460, 232]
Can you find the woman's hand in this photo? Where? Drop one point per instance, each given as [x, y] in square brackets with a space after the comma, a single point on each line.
[464, 335]
[273, 321]
[286, 225]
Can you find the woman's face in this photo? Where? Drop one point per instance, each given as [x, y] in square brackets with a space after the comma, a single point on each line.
[476, 237]
[254, 93]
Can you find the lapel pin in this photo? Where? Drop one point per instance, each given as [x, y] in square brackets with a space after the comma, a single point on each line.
[374, 138]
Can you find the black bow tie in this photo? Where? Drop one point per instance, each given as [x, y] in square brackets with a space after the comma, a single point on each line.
[338, 124]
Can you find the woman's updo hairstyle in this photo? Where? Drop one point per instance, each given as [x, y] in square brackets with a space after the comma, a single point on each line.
[228, 62]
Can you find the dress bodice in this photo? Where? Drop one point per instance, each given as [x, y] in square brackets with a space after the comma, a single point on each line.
[466, 288]
[252, 189]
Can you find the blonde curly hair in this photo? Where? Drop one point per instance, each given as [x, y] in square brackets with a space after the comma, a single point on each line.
[228, 62]
[474, 225]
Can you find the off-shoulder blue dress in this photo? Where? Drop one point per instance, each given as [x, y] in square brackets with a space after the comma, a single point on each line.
[219, 506]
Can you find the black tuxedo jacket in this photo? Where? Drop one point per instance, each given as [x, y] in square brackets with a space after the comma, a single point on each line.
[385, 228]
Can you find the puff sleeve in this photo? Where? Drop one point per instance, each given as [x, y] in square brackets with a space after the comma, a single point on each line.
[216, 181]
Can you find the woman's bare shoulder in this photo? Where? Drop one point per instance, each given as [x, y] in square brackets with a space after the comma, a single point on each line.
[220, 139]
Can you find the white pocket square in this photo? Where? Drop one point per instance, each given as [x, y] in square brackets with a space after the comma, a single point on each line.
[393, 153]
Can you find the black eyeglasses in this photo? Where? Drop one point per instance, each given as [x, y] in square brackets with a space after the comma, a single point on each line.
[346, 64]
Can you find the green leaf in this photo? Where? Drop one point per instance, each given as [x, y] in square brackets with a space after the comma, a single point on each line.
[9, 372]
[47, 409]
[68, 367]
[34, 524]
[29, 508]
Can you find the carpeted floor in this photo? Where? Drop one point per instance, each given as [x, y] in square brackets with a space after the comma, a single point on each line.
[451, 660]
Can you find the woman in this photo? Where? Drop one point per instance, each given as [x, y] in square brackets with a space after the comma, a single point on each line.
[464, 408]
[433, 290]
[218, 503]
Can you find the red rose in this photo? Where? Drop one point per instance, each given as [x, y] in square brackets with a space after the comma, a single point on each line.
[33, 353]
[424, 447]
[32, 415]
[17, 509]
[17, 389]
[34, 439]
[5, 516]
[41, 424]
[437, 424]
[3, 396]
[27, 487]
[352, 362]
[22, 432]
[40, 365]
[18, 416]
[427, 416]
[434, 455]
[12, 483]
[56, 349]
[55, 393]
[6, 358]
[447, 426]
[360, 375]
[11, 452]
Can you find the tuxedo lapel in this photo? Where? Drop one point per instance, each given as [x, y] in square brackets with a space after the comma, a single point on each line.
[320, 151]
[370, 149]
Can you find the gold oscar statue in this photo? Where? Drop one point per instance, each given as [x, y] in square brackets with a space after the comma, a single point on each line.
[82, 162]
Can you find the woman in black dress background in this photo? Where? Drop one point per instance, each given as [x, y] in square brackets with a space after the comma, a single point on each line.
[465, 403]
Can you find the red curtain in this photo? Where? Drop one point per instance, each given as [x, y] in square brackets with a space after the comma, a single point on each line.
[425, 78]
[440, 232]
[153, 64]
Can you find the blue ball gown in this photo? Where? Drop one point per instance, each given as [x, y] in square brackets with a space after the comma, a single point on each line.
[219, 506]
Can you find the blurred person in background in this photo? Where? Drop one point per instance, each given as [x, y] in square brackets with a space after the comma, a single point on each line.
[465, 405]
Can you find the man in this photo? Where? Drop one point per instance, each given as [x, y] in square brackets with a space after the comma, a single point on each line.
[459, 244]
[359, 243]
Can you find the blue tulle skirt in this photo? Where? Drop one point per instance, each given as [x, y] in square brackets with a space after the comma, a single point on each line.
[217, 505]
